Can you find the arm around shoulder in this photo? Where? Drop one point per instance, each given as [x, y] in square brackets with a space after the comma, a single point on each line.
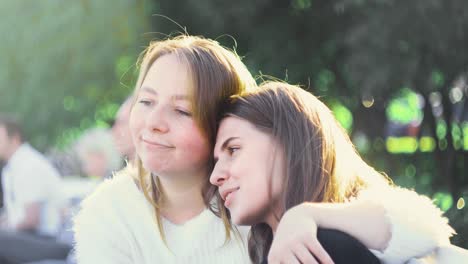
[397, 224]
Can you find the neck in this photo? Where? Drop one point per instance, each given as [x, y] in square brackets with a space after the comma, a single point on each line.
[273, 223]
[130, 155]
[183, 199]
[273, 219]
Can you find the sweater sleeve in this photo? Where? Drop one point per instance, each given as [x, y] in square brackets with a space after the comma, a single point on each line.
[100, 236]
[417, 225]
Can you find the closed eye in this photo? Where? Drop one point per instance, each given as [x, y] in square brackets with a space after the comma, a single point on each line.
[183, 112]
[144, 102]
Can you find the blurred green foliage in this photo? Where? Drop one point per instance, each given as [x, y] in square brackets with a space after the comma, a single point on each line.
[406, 108]
[66, 66]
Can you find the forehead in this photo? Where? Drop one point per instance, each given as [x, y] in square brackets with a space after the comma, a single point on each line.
[169, 74]
[233, 126]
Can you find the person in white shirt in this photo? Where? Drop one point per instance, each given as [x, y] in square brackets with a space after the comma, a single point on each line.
[30, 216]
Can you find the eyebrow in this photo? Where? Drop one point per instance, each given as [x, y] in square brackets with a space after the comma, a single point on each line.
[225, 143]
[148, 90]
[180, 97]
[177, 97]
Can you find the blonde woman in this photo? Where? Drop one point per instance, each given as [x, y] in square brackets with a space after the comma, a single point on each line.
[162, 208]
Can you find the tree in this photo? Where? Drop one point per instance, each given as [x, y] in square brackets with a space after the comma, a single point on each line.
[421, 45]
[62, 63]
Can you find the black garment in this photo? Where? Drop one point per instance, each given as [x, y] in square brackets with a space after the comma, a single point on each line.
[343, 248]
[21, 247]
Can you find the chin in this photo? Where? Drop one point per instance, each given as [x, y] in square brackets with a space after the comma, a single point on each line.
[239, 221]
[155, 166]
[243, 218]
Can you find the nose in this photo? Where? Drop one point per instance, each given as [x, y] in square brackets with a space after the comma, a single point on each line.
[156, 120]
[219, 175]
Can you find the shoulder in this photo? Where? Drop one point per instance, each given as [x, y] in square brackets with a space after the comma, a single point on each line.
[106, 212]
[417, 225]
[27, 161]
[418, 206]
[419, 210]
[109, 199]
[111, 192]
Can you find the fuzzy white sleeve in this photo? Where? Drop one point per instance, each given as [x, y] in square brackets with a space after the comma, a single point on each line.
[417, 225]
[100, 236]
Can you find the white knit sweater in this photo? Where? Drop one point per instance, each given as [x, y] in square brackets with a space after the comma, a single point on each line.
[117, 225]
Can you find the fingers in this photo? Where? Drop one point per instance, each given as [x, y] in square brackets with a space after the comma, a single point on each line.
[299, 254]
[318, 251]
[290, 259]
[304, 255]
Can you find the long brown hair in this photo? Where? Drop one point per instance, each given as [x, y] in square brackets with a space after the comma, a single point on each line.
[217, 73]
[321, 162]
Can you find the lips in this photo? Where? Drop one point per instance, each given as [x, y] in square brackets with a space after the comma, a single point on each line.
[157, 144]
[224, 193]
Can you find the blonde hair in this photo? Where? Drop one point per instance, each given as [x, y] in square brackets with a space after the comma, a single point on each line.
[217, 74]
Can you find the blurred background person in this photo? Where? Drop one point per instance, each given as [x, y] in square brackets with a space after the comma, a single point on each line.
[30, 194]
[97, 153]
[98, 157]
[121, 131]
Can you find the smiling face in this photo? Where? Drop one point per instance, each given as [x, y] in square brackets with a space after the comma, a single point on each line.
[249, 172]
[166, 137]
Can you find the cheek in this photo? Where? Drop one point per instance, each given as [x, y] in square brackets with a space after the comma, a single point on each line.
[256, 200]
[194, 142]
[256, 189]
[252, 206]
[263, 185]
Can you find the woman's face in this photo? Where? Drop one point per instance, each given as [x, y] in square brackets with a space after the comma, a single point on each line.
[249, 172]
[166, 137]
